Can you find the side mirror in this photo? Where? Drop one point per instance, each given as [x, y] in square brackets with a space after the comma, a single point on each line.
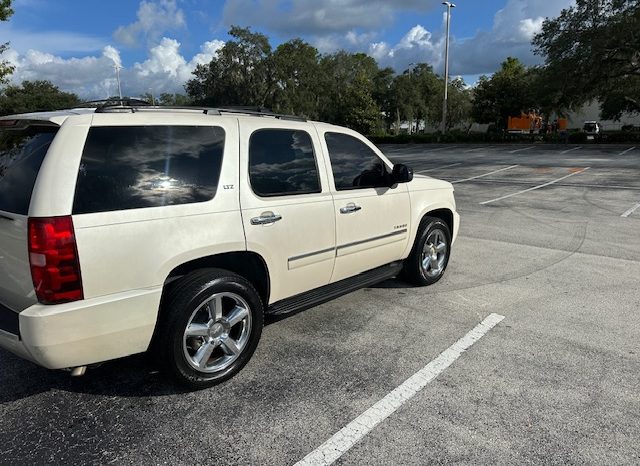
[401, 173]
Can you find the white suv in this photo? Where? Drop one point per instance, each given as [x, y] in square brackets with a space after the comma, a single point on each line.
[126, 229]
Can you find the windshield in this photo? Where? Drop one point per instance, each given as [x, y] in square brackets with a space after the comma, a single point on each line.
[21, 154]
[590, 127]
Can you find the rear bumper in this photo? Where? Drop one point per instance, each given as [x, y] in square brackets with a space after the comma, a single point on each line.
[85, 332]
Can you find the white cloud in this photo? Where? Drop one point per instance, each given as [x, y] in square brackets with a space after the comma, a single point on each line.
[93, 77]
[513, 28]
[154, 18]
[318, 17]
[529, 27]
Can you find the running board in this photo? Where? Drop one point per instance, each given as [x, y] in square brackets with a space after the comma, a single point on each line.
[334, 290]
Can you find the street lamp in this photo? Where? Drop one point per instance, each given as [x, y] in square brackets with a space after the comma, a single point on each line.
[449, 5]
[118, 67]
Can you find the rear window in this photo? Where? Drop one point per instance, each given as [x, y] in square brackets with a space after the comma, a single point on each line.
[131, 167]
[21, 154]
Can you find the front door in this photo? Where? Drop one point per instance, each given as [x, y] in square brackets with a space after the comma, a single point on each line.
[372, 217]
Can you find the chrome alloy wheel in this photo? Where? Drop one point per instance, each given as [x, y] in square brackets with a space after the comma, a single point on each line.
[434, 253]
[217, 332]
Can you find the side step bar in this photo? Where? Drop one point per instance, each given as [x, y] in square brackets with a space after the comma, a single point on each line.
[328, 292]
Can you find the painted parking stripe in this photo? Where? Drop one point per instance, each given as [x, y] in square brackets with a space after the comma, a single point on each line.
[520, 150]
[438, 168]
[479, 148]
[441, 148]
[631, 210]
[626, 151]
[570, 150]
[535, 187]
[352, 433]
[486, 174]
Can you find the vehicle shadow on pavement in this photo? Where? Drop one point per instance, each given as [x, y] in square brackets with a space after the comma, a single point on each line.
[133, 376]
[393, 283]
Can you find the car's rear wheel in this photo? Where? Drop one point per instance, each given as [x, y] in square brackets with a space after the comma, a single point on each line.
[210, 326]
[430, 254]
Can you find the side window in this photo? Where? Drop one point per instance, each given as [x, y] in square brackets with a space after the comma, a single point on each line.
[130, 167]
[21, 155]
[282, 162]
[354, 164]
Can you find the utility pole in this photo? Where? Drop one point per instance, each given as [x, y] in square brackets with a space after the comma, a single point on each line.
[449, 5]
[117, 67]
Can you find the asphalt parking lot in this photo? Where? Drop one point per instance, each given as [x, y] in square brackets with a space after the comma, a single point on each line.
[549, 239]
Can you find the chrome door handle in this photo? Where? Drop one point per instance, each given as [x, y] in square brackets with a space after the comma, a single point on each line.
[266, 219]
[349, 208]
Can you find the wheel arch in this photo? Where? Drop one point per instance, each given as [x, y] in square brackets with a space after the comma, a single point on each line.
[444, 214]
[247, 264]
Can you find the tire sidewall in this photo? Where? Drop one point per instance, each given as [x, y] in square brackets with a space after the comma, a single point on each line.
[416, 255]
[182, 308]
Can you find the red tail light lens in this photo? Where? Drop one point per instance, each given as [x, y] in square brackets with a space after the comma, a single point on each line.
[53, 256]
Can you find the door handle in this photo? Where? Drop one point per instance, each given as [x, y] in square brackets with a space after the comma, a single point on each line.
[350, 208]
[266, 218]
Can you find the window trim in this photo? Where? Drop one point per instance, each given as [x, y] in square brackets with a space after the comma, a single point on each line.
[352, 188]
[315, 160]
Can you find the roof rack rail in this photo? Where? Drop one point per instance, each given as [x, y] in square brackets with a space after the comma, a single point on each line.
[259, 111]
[135, 105]
[113, 103]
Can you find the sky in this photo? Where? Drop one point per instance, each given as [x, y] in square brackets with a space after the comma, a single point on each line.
[75, 44]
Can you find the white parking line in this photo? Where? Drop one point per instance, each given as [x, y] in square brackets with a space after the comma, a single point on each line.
[626, 151]
[438, 168]
[520, 150]
[535, 187]
[479, 148]
[441, 148]
[570, 150]
[486, 174]
[631, 210]
[352, 433]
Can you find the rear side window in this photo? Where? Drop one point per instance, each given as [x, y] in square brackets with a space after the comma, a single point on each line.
[21, 154]
[282, 162]
[354, 164]
[131, 167]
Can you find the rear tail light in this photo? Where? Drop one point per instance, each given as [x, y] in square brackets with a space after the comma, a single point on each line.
[53, 255]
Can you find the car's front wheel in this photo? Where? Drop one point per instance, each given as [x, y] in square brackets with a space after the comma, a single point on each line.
[210, 326]
[430, 254]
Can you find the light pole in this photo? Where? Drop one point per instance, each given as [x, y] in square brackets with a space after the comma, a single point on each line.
[117, 67]
[449, 5]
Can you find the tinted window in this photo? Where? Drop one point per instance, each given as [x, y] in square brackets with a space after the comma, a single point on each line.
[21, 154]
[129, 167]
[282, 162]
[354, 164]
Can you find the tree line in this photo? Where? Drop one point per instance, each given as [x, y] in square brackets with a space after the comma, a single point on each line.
[591, 52]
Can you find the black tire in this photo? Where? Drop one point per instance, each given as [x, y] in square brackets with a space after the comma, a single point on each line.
[413, 270]
[183, 304]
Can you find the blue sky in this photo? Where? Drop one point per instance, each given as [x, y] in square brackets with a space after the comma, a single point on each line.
[158, 42]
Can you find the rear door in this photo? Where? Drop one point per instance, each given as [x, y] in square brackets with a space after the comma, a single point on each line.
[22, 149]
[287, 208]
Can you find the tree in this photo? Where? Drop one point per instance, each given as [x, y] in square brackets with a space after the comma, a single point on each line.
[5, 67]
[508, 92]
[35, 96]
[592, 51]
[458, 104]
[295, 66]
[238, 75]
[412, 93]
[347, 84]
